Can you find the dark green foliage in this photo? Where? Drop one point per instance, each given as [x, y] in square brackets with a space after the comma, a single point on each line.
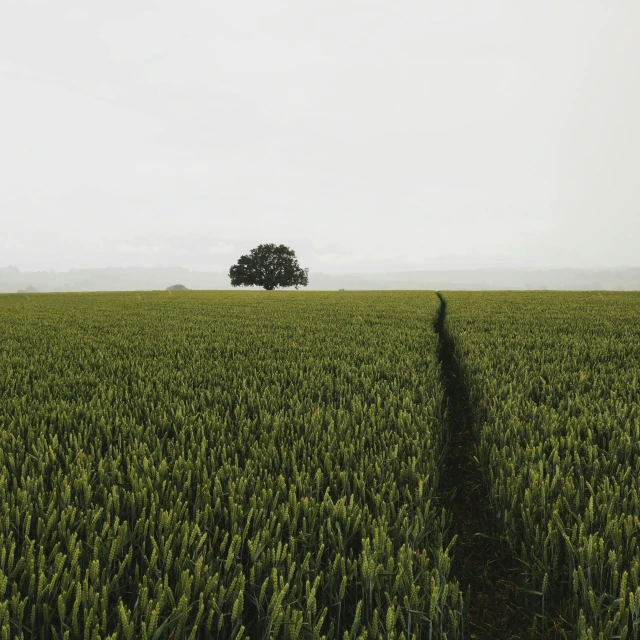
[269, 266]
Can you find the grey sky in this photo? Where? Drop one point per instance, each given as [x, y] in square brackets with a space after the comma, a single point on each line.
[367, 135]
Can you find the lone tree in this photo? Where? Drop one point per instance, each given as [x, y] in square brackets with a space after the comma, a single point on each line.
[269, 266]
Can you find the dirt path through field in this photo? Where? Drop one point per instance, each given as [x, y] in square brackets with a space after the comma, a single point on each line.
[478, 558]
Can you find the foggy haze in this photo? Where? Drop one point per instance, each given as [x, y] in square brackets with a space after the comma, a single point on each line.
[369, 136]
[144, 279]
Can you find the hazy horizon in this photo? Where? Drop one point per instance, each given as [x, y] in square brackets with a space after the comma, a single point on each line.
[148, 278]
[367, 136]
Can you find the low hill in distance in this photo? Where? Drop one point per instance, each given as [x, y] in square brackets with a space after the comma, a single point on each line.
[156, 278]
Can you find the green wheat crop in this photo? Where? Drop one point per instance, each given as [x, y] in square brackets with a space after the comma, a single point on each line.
[554, 381]
[232, 465]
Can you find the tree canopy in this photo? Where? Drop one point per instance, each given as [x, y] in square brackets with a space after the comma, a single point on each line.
[269, 266]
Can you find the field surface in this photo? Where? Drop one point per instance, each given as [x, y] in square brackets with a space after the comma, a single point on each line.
[299, 465]
[553, 381]
[229, 465]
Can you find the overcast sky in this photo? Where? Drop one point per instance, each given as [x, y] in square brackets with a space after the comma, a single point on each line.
[367, 135]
